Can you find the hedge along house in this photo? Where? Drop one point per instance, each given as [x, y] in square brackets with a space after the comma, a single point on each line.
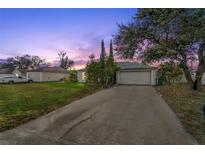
[47, 74]
[132, 73]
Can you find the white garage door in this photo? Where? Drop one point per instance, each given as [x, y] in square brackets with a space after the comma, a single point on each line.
[139, 78]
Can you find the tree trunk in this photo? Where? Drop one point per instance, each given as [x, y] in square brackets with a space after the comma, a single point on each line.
[188, 76]
[198, 78]
[200, 69]
[197, 82]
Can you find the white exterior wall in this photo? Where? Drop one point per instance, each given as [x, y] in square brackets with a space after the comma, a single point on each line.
[203, 79]
[47, 76]
[35, 76]
[81, 76]
[118, 77]
[153, 77]
[17, 73]
[4, 75]
[183, 79]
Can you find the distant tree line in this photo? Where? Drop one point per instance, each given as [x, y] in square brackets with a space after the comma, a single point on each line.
[24, 62]
[34, 62]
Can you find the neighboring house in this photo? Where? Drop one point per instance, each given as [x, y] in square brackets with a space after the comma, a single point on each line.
[129, 73]
[81, 75]
[47, 74]
[182, 79]
[10, 72]
[136, 74]
[20, 72]
[203, 79]
[6, 72]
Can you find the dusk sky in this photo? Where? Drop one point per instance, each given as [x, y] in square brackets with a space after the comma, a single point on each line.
[44, 32]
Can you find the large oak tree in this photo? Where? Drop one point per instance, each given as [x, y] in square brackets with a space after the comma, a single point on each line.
[163, 35]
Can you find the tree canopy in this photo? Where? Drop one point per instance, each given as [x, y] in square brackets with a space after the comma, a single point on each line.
[166, 35]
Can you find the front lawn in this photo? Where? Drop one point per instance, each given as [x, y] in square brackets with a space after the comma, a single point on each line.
[187, 105]
[22, 102]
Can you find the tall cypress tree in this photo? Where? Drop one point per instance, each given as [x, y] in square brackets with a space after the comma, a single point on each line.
[111, 51]
[102, 64]
[111, 68]
[102, 55]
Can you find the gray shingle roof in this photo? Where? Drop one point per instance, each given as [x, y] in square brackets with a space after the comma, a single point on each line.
[6, 71]
[50, 69]
[132, 65]
[82, 69]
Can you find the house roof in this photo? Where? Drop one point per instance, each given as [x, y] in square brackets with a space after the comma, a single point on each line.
[50, 69]
[6, 71]
[82, 69]
[10, 70]
[133, 65]
[22, 70]
[129, 66]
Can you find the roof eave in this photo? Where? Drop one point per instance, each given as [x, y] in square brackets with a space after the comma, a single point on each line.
[151, 68]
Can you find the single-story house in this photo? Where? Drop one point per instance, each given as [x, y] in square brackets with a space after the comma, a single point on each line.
[47, 74]
[6, 72]
[11, 72]
[81, 77]
[182, 79]
[129, 73]
[133, 73]
[20, 72]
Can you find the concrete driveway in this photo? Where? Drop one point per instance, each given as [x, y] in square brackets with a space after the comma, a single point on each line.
[119, 115]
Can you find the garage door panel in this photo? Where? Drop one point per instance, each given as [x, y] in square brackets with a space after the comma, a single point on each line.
[140, 78]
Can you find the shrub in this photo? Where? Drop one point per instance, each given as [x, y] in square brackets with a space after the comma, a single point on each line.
[168, 73]
[73, 76]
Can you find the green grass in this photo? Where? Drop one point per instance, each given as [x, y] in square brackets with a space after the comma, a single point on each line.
[22, 102]
[187, 105]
